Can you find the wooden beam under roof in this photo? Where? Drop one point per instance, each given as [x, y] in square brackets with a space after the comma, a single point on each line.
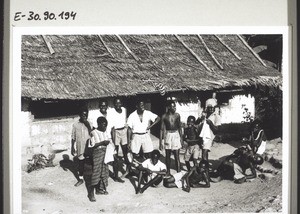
[127, 48]
[252, 51]
[192, 52]
[210, 53]
[228, 48]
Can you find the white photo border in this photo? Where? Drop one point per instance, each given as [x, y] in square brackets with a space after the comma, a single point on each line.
[15, 89]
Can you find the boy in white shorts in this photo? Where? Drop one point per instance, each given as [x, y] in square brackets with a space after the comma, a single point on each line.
[172, 134]
[138, 132]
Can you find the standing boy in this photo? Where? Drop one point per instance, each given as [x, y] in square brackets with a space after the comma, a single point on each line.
[80, 134]
[210, 121]
[98, 179]
[191, 137]
[172, 134]
[119, 134]
[103, 105]
[138, 132]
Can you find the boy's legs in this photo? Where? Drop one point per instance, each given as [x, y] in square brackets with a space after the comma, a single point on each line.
[116, 167]
[80, 167]
[168, 161]
[125, 153]
[89, 188]
[153, 182]
[177, 160]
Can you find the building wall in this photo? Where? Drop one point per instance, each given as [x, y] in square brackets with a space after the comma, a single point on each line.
[234, 111]
[231, 112]
[45, 135]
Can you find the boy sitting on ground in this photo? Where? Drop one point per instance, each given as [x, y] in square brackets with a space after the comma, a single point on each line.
[234, 167]
[152, 171]
[191, 137]
[196, 177]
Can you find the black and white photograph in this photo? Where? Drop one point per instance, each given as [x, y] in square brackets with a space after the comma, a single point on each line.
[152, 123]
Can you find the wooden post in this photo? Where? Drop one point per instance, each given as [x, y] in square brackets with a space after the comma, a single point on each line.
[192, 52]
[127, 48]
[103, 43]
[228, 48]
[210, 53]
[252, 51]
[46, 40]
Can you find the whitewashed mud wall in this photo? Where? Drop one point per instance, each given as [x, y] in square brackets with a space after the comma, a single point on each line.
[233, 112]
[45, 135]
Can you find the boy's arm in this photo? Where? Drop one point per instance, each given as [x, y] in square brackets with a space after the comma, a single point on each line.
[253, 172]
[186, 178]
[206, 182]
[162, 133]
[113, 135]
[129, 137]
[157, 119]
[185, 134]
[142, 168]
[102, 143]
[212, 126]
[180, 130]
[162, 172]
[72, 147]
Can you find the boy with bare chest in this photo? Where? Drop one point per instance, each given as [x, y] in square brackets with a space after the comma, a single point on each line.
[172, 134]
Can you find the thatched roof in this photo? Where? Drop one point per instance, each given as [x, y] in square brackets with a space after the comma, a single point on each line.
[93, 66]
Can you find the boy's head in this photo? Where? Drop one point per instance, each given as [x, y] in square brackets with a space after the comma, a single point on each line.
[210, 109]
[155, 155]
[191, 121]
[256, 125]
[203, 166]
[103, 105]
[140, 105]
[117, 103]
[102, 123]
[258, 159]
[171, 106]
[83, 113]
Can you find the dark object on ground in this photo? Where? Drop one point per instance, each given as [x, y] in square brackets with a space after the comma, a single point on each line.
[40, 161]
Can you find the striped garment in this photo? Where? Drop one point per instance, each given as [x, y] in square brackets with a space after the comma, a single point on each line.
[100, 169]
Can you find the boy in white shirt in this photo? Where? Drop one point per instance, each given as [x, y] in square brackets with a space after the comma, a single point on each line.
[138, 133]
[152, 170]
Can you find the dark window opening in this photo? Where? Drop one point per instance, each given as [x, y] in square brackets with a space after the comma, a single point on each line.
[47, 109]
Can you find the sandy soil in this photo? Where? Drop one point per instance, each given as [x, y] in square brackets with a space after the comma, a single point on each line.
[51, 190]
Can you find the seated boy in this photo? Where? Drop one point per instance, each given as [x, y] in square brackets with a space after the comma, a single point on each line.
[152, 171]
[191, 137]
[234, 167]
[196, 177]
[257, 138]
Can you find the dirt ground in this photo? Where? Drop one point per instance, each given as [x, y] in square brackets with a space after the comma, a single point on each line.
[51, 190]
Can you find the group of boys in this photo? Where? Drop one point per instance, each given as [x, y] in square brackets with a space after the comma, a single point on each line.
[103, 129]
